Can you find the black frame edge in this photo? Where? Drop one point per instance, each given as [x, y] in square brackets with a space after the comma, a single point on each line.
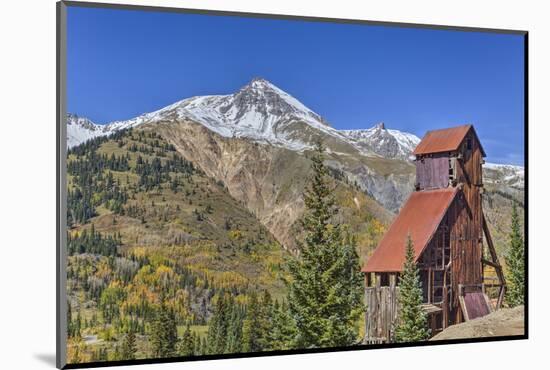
[291, 352]
[61, 66]
[288, 17]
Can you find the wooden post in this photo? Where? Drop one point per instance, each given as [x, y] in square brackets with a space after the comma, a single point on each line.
[430, 285]
[496, 265]
[393, 278]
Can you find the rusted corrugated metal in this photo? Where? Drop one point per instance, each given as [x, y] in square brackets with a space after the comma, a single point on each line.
[445, 140]
[420, 216]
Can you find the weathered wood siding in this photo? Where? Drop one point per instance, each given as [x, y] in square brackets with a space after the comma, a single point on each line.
[469, 174]
[432, 171]
[381, 315]
[466, 268]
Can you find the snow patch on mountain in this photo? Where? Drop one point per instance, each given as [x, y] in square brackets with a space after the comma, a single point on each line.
[384, 142]
[507, 174]
[81, 129]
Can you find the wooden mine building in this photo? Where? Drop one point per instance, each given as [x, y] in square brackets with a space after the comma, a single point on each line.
[444, 217]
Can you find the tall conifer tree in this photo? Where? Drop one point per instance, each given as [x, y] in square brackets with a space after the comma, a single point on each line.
[164, 335]
[129, 346]
[283, 330]
[325, 288]
[252, 330]
[412, 326]
[187, 343]
[217, 329]
[515, 263]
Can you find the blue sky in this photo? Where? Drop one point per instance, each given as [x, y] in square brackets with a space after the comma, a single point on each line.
[122, 63]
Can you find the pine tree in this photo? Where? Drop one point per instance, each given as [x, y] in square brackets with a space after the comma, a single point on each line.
[412, 326]
[217, 329]
[69, 320]
[187, 343]
[77, 325]
[346, 292]
[252, 331]
[515, 262]
[235, 330]
[164, 335]
[128, 351]
[265, 320]
[325, 288]
[283, 330]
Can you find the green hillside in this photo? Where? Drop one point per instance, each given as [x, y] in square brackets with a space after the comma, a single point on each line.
[145, 225]
[151, 234]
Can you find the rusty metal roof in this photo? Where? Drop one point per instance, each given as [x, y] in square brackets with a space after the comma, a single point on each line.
[420, 216]
[445, 140]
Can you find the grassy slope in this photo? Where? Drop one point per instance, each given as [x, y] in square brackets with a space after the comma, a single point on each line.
[237, 256]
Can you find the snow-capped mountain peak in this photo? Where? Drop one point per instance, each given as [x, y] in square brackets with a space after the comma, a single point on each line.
[262, 112]
[262, 93]
[81, 129]
[259, 111]
[384, 142]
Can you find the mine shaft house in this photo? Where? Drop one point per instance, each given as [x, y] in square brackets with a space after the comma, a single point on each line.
[445, 220]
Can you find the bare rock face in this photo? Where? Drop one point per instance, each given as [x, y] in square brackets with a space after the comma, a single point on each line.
[266, 179]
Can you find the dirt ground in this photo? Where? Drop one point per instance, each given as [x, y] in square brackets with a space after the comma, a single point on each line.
[507, 321]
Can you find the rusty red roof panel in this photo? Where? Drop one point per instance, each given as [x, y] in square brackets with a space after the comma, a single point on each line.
[445, 140]
[420, 216]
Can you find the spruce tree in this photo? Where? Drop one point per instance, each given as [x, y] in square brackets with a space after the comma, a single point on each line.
[283, 331]
[187, 343]
[515, 263]
[412, 325]
[217, 328]
[129, 349]
[164, 334]
[325, 287]
[266, 320]
[69, 320]
[235, 330]
[252, 330]
[77, 325]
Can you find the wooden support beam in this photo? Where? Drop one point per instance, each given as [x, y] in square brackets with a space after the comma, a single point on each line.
[430, 285]
[496, 264]
[490, 263]
[393, 280]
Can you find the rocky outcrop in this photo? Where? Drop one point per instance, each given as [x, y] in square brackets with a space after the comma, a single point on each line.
[268, 180]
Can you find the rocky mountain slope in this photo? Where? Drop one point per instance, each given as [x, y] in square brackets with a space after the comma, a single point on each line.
[268, 180]
[256, 141]
[262, 112]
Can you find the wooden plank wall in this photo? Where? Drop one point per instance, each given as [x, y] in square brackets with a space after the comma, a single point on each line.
[381, 315]
[466, 268]
[432, 171]
[469, 174]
